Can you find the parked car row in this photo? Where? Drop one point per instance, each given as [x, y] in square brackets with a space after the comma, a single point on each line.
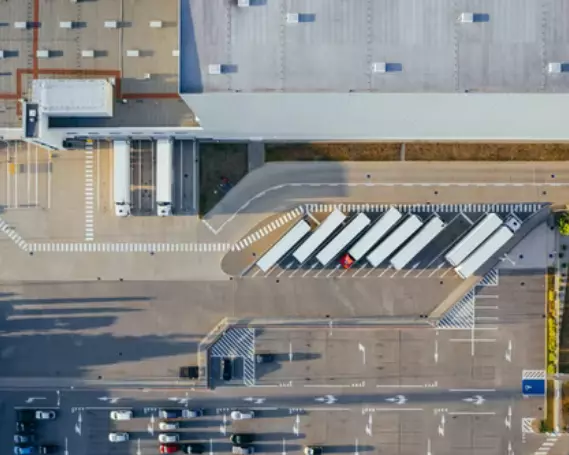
[25, 438]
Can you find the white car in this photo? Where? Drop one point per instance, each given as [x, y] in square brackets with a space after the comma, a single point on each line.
[45, 415]
[118, 437]
[168, 426]
[242, 415]
[121, 415]
[166, 438]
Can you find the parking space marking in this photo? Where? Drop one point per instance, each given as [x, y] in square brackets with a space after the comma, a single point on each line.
[150, 248]
[89, 193]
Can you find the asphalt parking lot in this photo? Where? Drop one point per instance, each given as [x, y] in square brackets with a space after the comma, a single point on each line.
[429, 263]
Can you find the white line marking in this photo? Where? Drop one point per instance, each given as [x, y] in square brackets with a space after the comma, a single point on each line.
[472, 413]
[471, 390]
[475, 340]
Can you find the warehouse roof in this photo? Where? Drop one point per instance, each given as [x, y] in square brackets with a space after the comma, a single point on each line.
[339, 46]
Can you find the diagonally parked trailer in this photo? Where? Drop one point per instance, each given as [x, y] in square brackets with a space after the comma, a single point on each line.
[489, 248]
[318, 237]
[375, 233]
[428, 232]
[473, 239]
[394, 240]
[346, 235]
[283, 246]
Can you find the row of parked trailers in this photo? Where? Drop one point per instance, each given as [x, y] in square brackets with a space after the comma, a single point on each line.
[390, 234]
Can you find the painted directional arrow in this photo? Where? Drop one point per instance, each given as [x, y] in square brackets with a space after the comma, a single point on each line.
[109, 399]
[476, 399]
[399, 399]
[328, 399]
[255, 400]
[180, 400]
[32, 399]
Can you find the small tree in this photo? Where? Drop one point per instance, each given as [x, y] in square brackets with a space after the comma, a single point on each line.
[563, 223]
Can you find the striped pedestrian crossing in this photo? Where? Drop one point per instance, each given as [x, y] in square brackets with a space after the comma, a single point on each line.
[267, 229]
[460, 315]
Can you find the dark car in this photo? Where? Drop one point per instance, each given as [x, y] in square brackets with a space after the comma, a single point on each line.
[240, 439]
[193, 448]
[264, 358]
[226, 367]
[48, 448]
[192, 372]
[24, 438]
[25, 415]
[25, 427]
[169, 413]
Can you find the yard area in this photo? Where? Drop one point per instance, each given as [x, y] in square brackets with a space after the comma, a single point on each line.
[222, 165]
[416, 152]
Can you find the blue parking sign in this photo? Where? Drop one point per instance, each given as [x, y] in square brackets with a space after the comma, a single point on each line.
[533, 387]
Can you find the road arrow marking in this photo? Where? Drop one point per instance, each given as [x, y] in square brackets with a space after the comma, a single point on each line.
[109, 399]
[32, 399]
[442, 426]
[290, 353]
[476, 399]
[429, 447]
[255, 400]
[362, 349]
[508, 354]
[58, 398]
[436, 351]
[66, 452]
[508, 419]
[399, 399]
[211, 447]
[79, 424]
[138, 451]
[296, 425]
[284, 447]
[150, 427]
[356, 450]
[328, 399]
[369, 426]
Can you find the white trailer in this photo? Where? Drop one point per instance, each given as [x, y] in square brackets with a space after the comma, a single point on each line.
[309, 246]
[394, 240]
[484, 252]
[282, 247]
[344, 237]
[428, 232]
[121, 182]
[375, 233]
[473, 239]
[164, 176]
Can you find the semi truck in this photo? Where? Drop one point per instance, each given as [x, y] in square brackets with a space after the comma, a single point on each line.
[164, 177]
[121, 182]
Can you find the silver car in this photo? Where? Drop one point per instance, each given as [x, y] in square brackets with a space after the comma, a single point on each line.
[167, 438]
[121, 415]
[118, 437]
[168, 426]
[242, 415]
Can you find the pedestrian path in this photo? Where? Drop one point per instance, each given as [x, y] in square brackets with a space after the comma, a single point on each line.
[491, 279]
[460, 315]
[260, 233]
[13, 235]
[92, 247]
[548, 444]
[89, 193]
[439, 208]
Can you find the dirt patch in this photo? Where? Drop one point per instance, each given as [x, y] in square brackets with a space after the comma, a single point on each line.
[486, 152]
[332, 152]
[416, 152]
[221, 168]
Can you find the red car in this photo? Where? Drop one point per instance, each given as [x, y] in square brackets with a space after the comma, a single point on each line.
[346, 261]
[169, 448]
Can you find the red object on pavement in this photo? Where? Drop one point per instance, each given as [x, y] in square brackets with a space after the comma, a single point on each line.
[169, 448]
[346, 261]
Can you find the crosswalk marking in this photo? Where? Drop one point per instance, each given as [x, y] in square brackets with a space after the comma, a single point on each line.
[89, 199]
[460, 315]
